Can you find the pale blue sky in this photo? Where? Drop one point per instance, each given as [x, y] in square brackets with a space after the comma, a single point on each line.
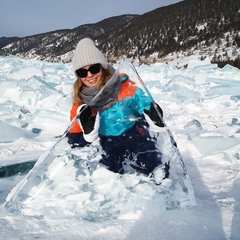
[28, 17]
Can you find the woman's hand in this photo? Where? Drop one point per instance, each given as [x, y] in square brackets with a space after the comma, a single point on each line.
[88, 122]
[155, 115]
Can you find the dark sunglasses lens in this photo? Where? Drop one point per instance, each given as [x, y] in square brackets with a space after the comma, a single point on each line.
[93, 69]
[82, 73]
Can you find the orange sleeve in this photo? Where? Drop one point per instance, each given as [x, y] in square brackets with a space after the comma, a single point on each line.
[128, 89]
[75, 127]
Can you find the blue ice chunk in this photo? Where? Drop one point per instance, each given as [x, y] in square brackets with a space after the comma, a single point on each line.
[194, 125]
[224, 81]
[213, 144]
[10, 133]
[183, 88]
[235, 98]
[222, 90]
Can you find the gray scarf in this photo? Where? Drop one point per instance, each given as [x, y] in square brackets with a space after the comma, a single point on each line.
[103, 99]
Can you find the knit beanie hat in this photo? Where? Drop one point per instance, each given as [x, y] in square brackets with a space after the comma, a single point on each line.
[87, 54]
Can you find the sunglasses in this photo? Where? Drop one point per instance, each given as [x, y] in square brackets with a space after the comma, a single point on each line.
[93, 69]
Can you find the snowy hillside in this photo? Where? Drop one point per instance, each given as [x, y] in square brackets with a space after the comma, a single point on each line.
[201, 105]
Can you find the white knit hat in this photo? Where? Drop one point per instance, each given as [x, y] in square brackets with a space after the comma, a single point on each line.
[87, 54]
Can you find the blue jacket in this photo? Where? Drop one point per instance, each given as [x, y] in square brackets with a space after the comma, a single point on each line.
[129, 106]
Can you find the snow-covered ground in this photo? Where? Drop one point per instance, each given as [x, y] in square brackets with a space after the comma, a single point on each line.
[201, 106]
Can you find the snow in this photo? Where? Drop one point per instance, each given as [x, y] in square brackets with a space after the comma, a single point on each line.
[201, 106]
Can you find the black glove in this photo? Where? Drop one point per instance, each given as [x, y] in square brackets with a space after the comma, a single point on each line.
[88, 122]
[155, 114]
[76, 140]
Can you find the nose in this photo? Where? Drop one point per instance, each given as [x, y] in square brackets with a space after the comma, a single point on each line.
[89, 74]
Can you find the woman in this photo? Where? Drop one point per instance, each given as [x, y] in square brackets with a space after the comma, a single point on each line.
[112, 108]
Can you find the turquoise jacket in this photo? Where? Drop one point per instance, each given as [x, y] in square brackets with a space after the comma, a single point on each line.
[130, 104]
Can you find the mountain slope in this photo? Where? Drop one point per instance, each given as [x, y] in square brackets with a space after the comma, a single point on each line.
[4, 41]
[58, 45]
[185, 26]
[205, 28]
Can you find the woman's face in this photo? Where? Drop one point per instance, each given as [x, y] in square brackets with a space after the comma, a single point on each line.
[91, 79]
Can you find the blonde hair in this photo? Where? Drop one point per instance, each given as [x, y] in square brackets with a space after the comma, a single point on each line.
[77, 86]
